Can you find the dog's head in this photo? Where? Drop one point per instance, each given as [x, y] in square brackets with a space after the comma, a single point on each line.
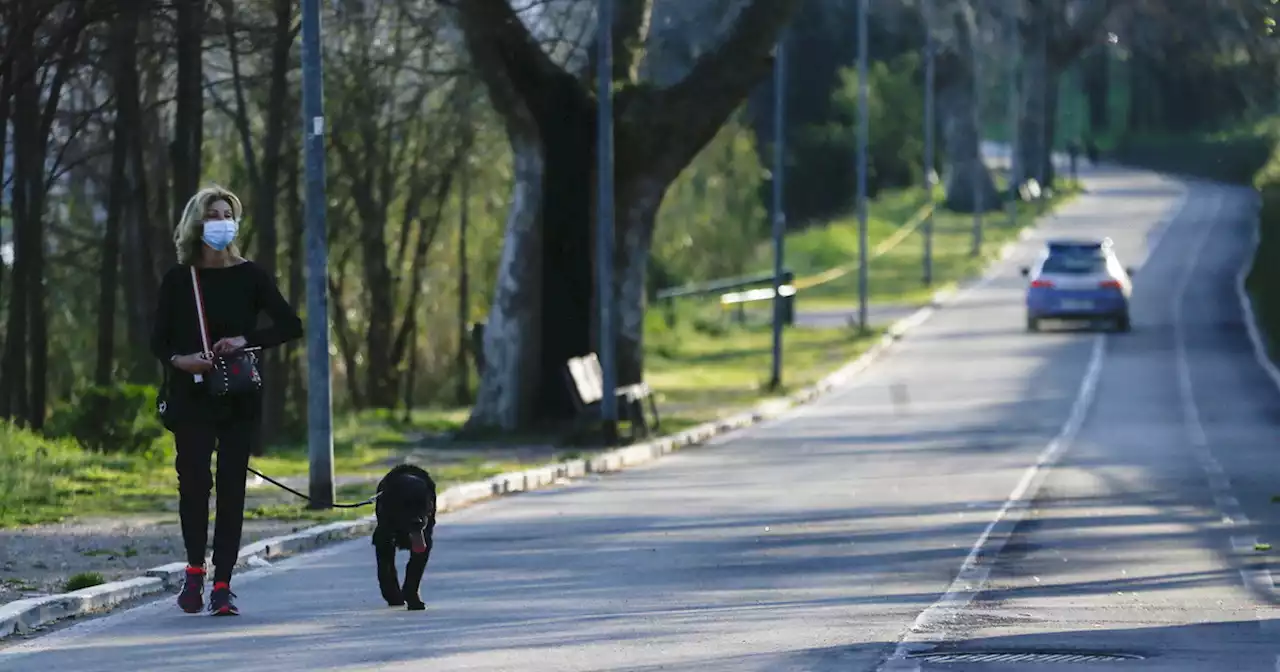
[407, 506]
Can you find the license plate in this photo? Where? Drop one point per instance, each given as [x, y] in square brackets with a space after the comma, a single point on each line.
[1074, 304]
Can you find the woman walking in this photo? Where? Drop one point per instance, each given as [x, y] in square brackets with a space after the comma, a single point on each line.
[208, 311]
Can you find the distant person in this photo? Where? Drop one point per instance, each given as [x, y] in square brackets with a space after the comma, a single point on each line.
[233, 293]
[1073, 153]
[1091, 150]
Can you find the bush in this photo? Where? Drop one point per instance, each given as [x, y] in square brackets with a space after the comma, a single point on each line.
[1234, 159]
[30, 465]
[116, 419]
[713, 205]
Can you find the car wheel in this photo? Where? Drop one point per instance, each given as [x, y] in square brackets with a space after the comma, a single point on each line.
[1033, 324]
[1122, 323]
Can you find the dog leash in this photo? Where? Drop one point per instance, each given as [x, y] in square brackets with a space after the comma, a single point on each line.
[336, 505]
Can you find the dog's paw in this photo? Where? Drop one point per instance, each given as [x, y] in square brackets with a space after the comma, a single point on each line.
[415, 604]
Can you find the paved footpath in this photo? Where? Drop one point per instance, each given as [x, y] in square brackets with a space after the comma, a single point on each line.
[821, 540]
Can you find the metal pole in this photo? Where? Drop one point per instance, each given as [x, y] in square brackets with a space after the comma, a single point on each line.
[929, 75]
[464, 281]
[319, 404]
[1015, 103]
[779, 222]
[863, 123]
[604, 219]
[978, 170]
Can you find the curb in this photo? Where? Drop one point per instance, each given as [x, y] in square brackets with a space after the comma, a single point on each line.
[24, 616]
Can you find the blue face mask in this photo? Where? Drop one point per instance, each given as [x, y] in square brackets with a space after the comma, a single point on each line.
[218, 233]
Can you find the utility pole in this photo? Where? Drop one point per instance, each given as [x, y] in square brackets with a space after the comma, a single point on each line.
[604, 219]
[863, 123]
[463, 391]
[319, 403]
[1015, 100]
[779, 217]
[929, 75]
[979, 170]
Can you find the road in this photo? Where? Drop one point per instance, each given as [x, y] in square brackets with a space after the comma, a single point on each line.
[820, 540]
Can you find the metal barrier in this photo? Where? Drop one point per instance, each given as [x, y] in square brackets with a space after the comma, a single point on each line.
[736, 292]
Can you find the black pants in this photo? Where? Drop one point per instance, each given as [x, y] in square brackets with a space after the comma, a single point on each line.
[196, 443]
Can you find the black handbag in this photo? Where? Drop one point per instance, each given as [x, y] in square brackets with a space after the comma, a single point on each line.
[232, 374]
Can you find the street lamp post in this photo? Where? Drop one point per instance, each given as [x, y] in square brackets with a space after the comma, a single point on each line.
[319, 404]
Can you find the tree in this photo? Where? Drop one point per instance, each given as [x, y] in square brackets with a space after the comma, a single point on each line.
[954, 29]
[542, 307]
[1053, 34]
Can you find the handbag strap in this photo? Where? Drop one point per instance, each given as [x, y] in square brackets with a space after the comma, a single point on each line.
[200, 314]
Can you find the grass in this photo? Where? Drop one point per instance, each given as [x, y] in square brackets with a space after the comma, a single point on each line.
[84, 580]
[703, 367]
[897, 276]
[46, 480]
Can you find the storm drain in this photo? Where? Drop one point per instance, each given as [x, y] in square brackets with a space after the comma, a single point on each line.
[1024, 657]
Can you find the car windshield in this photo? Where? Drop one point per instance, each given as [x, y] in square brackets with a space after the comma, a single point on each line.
[1075, 264]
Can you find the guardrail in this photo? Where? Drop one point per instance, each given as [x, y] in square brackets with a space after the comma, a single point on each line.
[790, 285]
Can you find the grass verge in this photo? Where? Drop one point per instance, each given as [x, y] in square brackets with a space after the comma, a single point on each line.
[702, 368]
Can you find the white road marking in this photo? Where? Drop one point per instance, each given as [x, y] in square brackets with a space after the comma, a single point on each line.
[972, 576]
[973, 573]
[1259, 579]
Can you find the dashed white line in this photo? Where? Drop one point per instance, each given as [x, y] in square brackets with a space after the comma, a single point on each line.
[973, 573]
[1258, 579]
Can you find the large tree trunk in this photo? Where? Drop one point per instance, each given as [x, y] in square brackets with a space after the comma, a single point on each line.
[512, 335]
[1034, 115]
[144, 228]
[963, 167]
[1053, 81]
[1052, 39]
[188, 126]
[1097, 89]
[6, 96]
[295, 361]
[638, 204]
[964, 174]
[125, 46]
[266, 194]
[14, 400]
[542, 312]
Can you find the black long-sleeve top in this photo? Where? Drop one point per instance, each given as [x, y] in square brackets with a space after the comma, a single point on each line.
[234, 298]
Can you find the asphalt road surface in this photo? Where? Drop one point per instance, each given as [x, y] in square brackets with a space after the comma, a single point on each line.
[822, 540]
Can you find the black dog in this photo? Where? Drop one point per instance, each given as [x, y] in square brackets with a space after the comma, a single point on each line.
[406, 511]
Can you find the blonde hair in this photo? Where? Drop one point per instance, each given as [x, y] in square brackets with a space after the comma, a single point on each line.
[187, 235]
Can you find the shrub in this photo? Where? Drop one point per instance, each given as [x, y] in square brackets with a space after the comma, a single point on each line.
[115, 419]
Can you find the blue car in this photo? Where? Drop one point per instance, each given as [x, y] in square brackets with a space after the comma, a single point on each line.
[1078, 280]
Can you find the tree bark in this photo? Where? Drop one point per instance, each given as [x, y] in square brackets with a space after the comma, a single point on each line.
[294, 350]
[957, 111]
[14, 402]
[963, 164]
[1051, 40]
[1097, 89]
[542, 312]
[1034, 115]
[125, 45]
[188, 127]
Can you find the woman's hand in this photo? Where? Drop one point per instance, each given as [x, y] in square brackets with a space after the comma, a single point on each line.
[193, 364]
[229, 345]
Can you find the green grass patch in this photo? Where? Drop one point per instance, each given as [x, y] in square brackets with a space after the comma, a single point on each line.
[896, 277]
[44, 480]
[83, 580]
[704, 369]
